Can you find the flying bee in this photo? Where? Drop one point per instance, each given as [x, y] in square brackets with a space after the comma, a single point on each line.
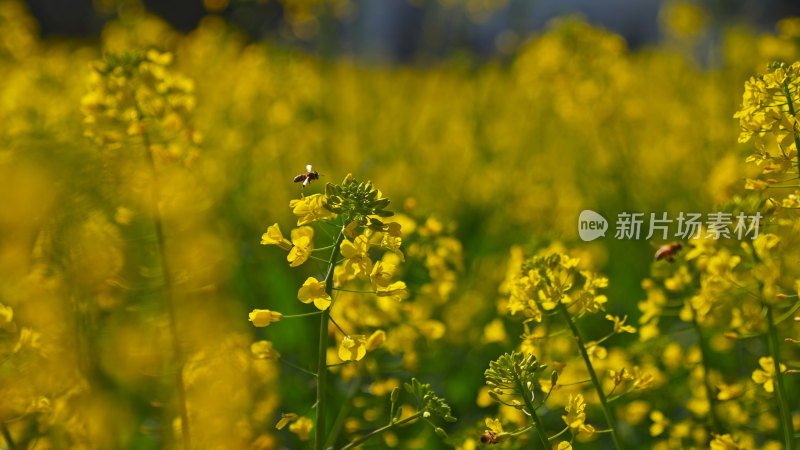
[668, 251]
[489, 437]
[307, 178]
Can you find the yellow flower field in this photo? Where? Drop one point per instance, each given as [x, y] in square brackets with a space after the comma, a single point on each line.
[173, 275]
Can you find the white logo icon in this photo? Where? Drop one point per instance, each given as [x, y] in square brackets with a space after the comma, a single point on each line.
[591, 225]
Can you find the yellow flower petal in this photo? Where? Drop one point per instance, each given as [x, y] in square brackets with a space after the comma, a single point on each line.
[264, 317]
[353, 348]
[313, 290]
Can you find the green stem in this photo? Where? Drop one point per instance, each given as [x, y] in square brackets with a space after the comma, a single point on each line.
[294, 316]
[788, 313]
[780, 391]
[772, 336]
[170, 300]
[338, 424]
[7, 437]
[790, 102]
[575, 382]
[356, 292]
[296, 367]
[322, 361]
[712, 399]
[556, 436]
[612, 422]
[380, 431]
[536, 420]
[337, 326]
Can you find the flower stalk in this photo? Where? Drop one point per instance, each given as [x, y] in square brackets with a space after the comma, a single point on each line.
[382, 430]
[612, 422]
[780, 389]
[169, 296]
[712, 399]
[536, 419]
[322, 361]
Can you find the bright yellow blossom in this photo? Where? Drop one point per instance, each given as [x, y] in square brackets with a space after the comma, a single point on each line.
[264, 317]
[660, 423]
[303, 240]
[576, 416]
[381, 275]
[392, 241]
[728, 392]
[396, 290]
[353, 348]
[591, 303]
[356, 252]
[376, 339]
[6, 314]
[619, 324]
[302, 428]
[494, 425]
[275, 237]
[310, 209]
[620, 375]
[263, 350]
[285, 420]
[723, 442]
[28, 339]
[313, 290]
[766, 374]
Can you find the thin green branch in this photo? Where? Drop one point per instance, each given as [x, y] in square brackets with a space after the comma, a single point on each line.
[8, 438]
[788, 313]
[295, 316]
[322, 355]
[338, 424]
[296, 367]
[536, 420]
[340, 364]
[353, 291]
[337, 325]
[588, 380]
[557, 435]
[716, 425]
[168, 293]
[612, 422]
[380, 431]
[780, 389]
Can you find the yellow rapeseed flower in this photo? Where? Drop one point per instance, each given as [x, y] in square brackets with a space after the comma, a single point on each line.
[285, 420]
[660, 423]
[576, 416]
[356, 252]
[766, 374]
[353, 348]
[273, 236]
[310, 209]
[6, 314]
[264, 317]
[313, 290]
[723, 442]
[396, 290]
[619, 324]
[303, 240]
[302, 428]
[263, 350]
[381, 275]
[376, 339]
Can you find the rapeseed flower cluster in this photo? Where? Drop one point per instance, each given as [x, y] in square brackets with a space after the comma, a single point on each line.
[687, 354]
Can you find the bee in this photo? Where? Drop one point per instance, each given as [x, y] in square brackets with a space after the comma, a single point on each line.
[489, 437]
[668, 251]
[307, 178]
